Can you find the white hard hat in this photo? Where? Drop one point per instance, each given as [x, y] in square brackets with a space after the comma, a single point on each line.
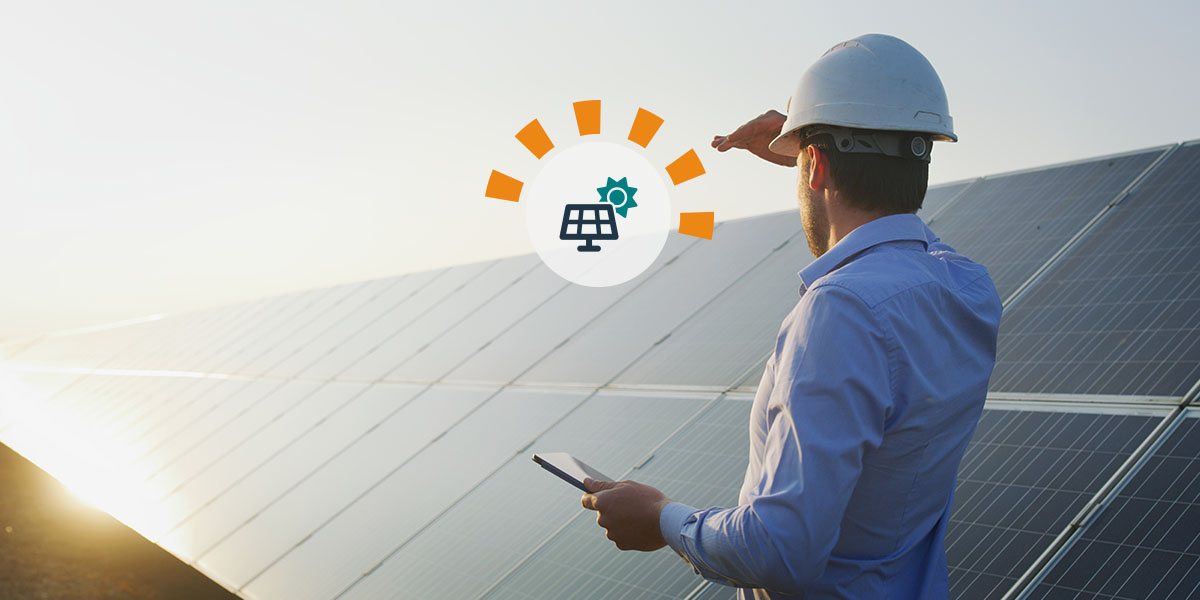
[873, 82]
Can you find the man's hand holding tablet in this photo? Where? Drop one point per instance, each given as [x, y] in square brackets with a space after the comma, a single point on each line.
[627, 510]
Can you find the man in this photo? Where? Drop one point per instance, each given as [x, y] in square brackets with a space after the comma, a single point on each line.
[879, 373]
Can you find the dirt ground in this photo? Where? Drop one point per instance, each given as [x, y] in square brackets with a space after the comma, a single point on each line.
[53, 545]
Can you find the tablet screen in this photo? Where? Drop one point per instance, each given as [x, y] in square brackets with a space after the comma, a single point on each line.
[569, 468]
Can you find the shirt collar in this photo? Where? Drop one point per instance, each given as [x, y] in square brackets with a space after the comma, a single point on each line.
[891, 228]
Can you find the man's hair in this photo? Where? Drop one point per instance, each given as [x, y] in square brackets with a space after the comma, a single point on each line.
[875, 182]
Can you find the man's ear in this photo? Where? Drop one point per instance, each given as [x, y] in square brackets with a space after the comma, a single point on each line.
[818, 163]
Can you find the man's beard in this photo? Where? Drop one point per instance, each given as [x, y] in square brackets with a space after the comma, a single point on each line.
[815, 221]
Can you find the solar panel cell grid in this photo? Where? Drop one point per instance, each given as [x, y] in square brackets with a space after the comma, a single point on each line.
[717, 592]
[1120, 312]
[723, 340]
[521, 506]
[458, 343]
[358, 537]
[1146, 542]
[161, 349]
[450, 310]
[253, 343]
[1024, 476]
[238, 462]
[395, 321]
[306, 358]
[1013, 224]
[939, 196]
[703, 465]
[212, 437]
[312, 327]
[286, 469]
[554, 321]
[336, 481]
[617, 337]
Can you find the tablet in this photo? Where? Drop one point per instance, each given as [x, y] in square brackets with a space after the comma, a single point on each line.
[568, 468]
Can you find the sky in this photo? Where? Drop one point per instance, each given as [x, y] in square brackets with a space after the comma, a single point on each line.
[158, 157]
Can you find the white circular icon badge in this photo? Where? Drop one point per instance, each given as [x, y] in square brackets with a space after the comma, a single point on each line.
[598, 214]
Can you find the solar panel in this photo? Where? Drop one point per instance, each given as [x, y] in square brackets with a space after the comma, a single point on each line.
[1120, 312]
[754, 374]
[209, 438]
[266, 482]
[1013, 224]
[156, 342]
[520, 506]
[307, 357]
[1026, 473]
[702, 465]
[241, 459]
[331, 481]
[281, 349]
[501, 359]
[186, 429]
[939, 197]
[717, 345]
[457, 344]
[210, 341]
[449, 311]
[1146, 542]
[406, 311]
[616, 337]
[350, 542]
[714, 591]
[280, 483]
[26, 391]
[251, 342]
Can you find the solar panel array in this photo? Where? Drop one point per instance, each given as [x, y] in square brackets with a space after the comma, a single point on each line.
[372, 440]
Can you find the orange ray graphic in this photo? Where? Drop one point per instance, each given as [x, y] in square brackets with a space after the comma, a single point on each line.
[685, 167]
[645, 125]
[696, 224]
[503, 187]
[587, 115]
[534, 138]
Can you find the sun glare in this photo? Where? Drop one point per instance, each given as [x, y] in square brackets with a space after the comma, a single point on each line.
[93, 464]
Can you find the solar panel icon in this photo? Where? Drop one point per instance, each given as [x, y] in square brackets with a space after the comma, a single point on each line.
[588, 222]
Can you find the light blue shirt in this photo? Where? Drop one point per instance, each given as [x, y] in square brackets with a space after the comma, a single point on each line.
[877, 381]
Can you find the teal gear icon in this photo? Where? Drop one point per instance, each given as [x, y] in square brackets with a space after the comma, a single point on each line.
[619, 194]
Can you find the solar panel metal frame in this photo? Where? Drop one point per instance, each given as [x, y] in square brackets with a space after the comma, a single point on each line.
[966, 184]
[1087, 518]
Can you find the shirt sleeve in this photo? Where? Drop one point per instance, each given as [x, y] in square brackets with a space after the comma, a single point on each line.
[829, 406]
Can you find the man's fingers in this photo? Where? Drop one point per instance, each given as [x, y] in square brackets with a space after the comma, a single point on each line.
[589, 501]
[598, 486]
